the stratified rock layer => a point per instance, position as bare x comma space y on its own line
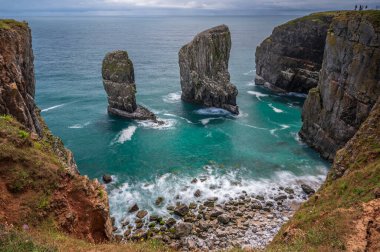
119, 83
349, 83
204, 72
290, 59
17, 84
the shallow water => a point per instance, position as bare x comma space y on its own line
253, 151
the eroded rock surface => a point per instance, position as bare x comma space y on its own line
119, 83
203, 63
17, 84
349, 83
290, 59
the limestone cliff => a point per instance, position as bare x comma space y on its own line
39, 180
204, 72
290, 59
17, 84
119, 83
349, 83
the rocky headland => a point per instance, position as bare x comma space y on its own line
289, 60
119, 84
203, 63
349, 83
39, 180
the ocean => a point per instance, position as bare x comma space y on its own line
251, 152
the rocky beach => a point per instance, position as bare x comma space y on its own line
243, 219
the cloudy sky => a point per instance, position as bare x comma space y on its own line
139, 7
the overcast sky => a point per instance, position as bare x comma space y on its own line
138, 7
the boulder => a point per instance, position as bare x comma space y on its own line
119, 84
141, 214
203, 63
224, 219
307, 189
133, 208
181, 210
183, 229
107, 178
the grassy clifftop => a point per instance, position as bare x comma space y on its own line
9, 23
345, 213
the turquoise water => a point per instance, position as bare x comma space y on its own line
253, 151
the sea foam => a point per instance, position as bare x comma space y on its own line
257, 94
161, 124
178, 188
53, 107
126, 134
172, 97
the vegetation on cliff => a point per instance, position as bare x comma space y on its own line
344, 213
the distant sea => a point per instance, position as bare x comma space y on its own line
254, 151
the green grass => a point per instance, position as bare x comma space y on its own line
19, 241
319, 17
9, 23
23, 134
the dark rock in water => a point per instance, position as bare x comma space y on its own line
181, 210
197, 193
307, 189
280, 197
224, 219
290, 59
159, 200
193, 205
133, 208
194, 181
141, 214
170, 208
260, 197
204, 72
170, 222
139, 225
209, 203
289, 190
119, 83
153, 218
183, 229
107, 178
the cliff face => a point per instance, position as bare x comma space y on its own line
344, 215
119, 83
349, 83
344, 110
290, 59
204, 72
39, 179
17, 85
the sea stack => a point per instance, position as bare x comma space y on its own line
119, 83
203, 63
